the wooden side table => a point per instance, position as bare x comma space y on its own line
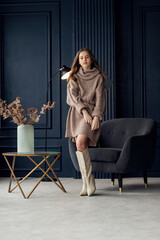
45, 156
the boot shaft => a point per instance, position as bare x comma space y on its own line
86, 171
84, 161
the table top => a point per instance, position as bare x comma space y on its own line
31, 154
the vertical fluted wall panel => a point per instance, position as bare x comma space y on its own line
94, 29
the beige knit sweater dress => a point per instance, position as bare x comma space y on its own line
87, 92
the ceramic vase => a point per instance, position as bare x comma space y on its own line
25, 139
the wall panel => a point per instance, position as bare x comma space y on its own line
94, 29
137, 63
27, 58
30, 55
146, 15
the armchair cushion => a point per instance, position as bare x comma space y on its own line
109, 155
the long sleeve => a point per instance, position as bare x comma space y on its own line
73, 98
100, 100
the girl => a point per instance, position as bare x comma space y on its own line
86, 97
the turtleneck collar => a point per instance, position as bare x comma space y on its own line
88, 74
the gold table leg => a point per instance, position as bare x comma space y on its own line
45, 173
10, 182
12, 174
37, 165
61, 186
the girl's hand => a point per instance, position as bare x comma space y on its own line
87, 117
95, 123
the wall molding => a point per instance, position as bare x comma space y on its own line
144, 12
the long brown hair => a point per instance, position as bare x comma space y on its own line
75, 65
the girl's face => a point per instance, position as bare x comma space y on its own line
85, 60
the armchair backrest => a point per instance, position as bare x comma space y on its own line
115, 132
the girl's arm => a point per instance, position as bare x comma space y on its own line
100, 100
87, 117
73, 98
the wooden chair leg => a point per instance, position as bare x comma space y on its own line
112, 178
120, 178
145, 178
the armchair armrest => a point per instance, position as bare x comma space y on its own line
137, 153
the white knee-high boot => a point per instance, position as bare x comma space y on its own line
84, 187
86, 171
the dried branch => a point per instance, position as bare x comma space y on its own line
45, 107
15, 110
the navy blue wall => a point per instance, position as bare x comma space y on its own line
38, 37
